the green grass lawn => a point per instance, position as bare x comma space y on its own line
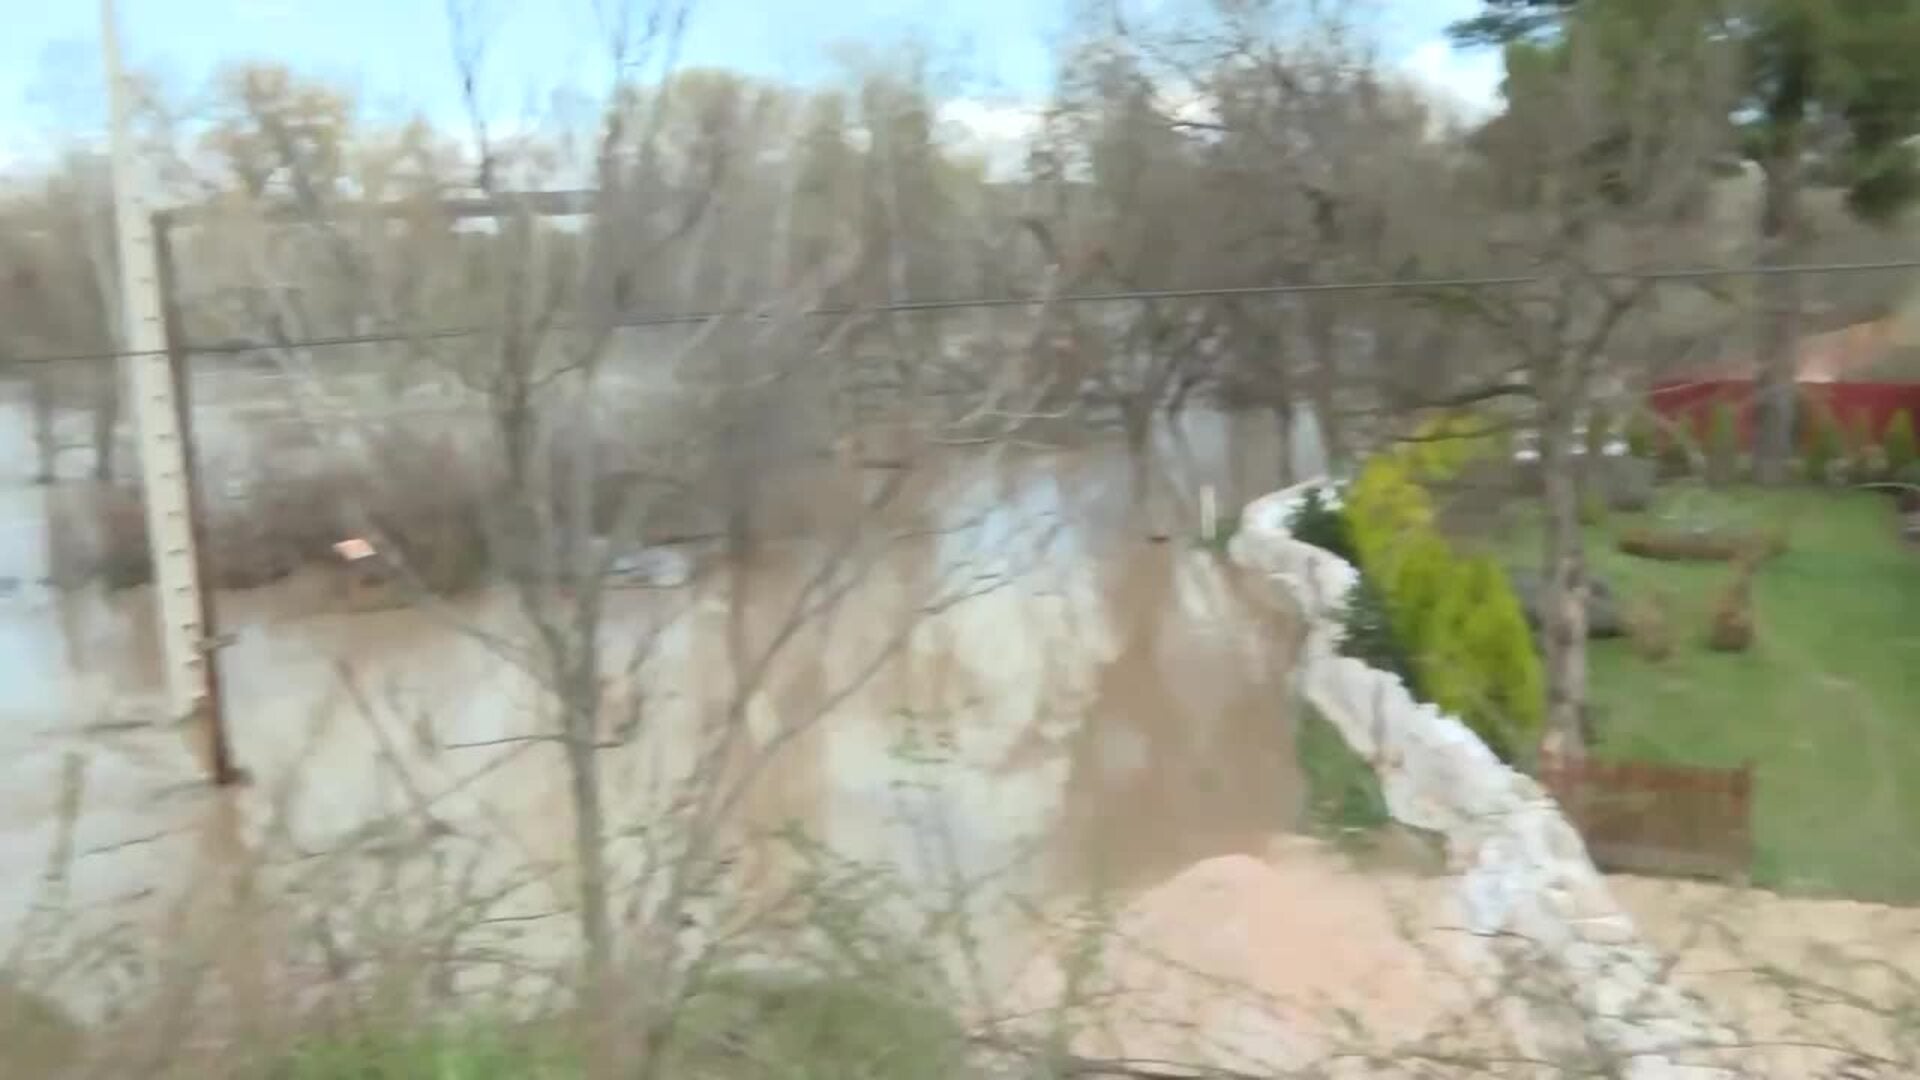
1826, 704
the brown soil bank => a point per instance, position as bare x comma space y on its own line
1293, 961
1301, 960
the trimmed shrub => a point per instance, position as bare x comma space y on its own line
1643, 437
1384, 506
1477, 659
1866, 459
1648, 630
1318, 522
1823, 445
1731, 629
1367, 633
1441, 448
1593, 508
1898, 442
1454, 617
1696, 545
1723, 443
1419, 579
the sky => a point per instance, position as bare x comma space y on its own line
989, 56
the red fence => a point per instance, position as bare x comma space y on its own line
1847, 402
1673, 820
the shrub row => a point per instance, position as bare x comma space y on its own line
1829, 448
1447, 621
1854, 451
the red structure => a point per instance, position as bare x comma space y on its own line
1828, 369
1845, 402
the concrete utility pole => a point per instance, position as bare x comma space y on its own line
164, 458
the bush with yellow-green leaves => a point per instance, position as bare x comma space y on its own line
1454, 614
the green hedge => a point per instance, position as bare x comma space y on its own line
1823, 442
1723, 442
1367, 631
1318, 521
1899, 443
1453, 614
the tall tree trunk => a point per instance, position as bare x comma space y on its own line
589, 827
906, 361
580, 703
1283, 432
46, 435
1563, 604
106, 421
1138, 423
106, 295
1779, 315
1323, 340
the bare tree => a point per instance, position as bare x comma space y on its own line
1590, 178
593, 433
1333, 173
62, 292
1115, 213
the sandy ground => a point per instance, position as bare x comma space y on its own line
1809, 984
1300, 958
1283, 960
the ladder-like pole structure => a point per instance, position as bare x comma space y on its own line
165, 459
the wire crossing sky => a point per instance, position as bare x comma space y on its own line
1677, 273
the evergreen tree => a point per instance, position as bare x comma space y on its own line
1827, 92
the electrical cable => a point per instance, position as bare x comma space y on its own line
992, 302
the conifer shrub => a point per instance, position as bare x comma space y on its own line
1823, 446
1643, 437
1454, 617
1318, 521
1898, 442
1723, 443
1866, 459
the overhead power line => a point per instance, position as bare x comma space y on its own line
1699, 273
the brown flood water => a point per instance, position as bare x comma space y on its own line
1112, 716
1113, 711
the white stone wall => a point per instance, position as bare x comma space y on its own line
1543, 931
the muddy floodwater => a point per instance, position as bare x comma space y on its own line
1101, 709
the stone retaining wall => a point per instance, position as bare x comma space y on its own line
1545, 935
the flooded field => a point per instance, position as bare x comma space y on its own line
1102, 720
1100, 711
